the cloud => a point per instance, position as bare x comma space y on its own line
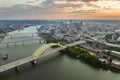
30, 1
62, 9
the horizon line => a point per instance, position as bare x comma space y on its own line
60, 19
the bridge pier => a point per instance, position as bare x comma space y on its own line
23, 44
39, 41
33, 62
7, 45
32, 35
17, 68
15, 45
11, 36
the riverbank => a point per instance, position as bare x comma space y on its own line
85, 56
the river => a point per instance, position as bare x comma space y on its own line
53, 67
20, 49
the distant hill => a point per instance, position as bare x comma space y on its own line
34, 22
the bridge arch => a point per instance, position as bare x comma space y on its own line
40, 50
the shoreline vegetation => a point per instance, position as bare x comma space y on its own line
78, 52
85, 56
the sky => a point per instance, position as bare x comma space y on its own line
59, 9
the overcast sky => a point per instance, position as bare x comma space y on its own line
59, 9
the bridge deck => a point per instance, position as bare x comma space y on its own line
31, 58
22, 34
21, 41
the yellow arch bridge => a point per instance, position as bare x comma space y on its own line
36, 55
40, 50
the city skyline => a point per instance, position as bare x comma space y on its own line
59, 9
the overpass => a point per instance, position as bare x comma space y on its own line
92, 39
37, 54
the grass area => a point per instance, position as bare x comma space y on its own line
108, 37
99, 36
50, 39
113, 48
115, 57
90, 52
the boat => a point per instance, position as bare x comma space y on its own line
4, 56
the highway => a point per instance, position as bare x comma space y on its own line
103, 42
